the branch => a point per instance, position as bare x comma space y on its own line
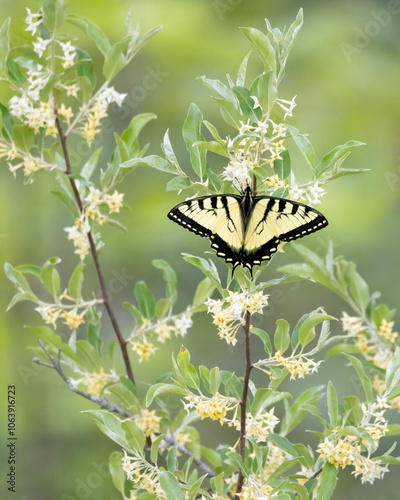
171, 441
312, 477
112, 407
243, 403
107, 305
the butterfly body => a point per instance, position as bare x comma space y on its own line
246, 229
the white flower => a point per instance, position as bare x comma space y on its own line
40, 46
111, 95
237, 173
183, 323
72, 89
296, 193
287, 106
316, 192
32, 25
256, 103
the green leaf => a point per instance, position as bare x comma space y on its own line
204, 290
161, 388
91, 164
281, 335
191, 132
76, 281
291, 34
170, 486
178, 183
53, 14
247, 104
114, 60
206, 266
118, 475
49, 337
266, 91
155, 447
172, 462
303, 144
23, 137
145, 299
263, 46
215, 380
282, 168
352, 405
333, 407
50, 277
170, 278
393, 372
130, 134
264, 337
169, 151
14, 72
95, 33
365, 381
327, 482
151, 161
241, 78
128, 384
16, 277
189, 373
4, 46
307, 329
296, 413
137, 315
330, 159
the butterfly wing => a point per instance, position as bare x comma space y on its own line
273, 220
218, 217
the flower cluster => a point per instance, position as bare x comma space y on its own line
96, 381
143, 475
254, 489
228, 315
215, 407
297, 366
177, 325
343, 451
148, 422
73, 314
346, 451
95, 112
375, 344
261, 425
380, 387
144, 350
78, 233
29, 163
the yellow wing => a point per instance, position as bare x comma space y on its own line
217, 217
273, 220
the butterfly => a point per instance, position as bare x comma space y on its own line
246, 229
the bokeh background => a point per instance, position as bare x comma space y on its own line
345, 69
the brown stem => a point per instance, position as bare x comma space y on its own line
106, 300
243, 403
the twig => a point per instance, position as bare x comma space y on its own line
68, 171
171, 440
243, 403
112, 407
312, 477
103, 402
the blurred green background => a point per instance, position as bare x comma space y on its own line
345, 69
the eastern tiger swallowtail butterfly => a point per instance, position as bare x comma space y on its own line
246, 229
